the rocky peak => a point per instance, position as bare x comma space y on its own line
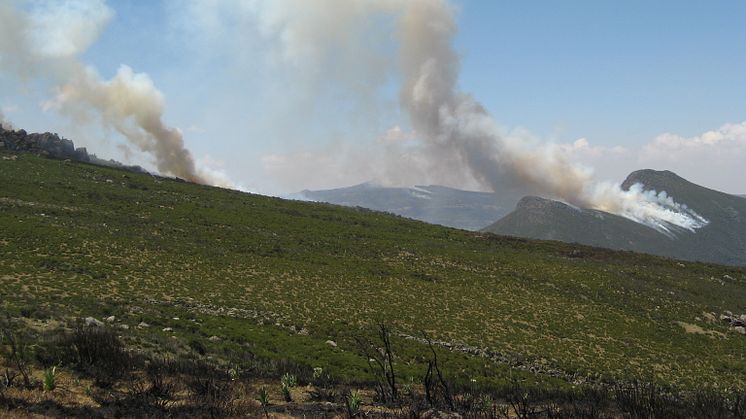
46, 144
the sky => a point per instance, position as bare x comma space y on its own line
613, 86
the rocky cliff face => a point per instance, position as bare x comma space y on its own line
46, 144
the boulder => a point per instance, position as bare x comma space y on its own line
143, 325
92, 322
110, 319
740, 329
331, 343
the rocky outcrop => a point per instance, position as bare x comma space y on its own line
52, 145
47, 144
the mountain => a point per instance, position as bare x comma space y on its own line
432, 204
722, 240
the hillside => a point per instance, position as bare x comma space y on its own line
433, 204
723, 240
259, 282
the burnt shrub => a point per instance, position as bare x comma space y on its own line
94, 351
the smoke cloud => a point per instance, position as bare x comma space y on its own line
5, 123
454, 131
452, 122
45, 41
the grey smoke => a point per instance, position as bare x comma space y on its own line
45, 41
455, 132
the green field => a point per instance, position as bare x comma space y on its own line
279, 278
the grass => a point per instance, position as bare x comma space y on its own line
276, 279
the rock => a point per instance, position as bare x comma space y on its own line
303, 332
143, 325
709, 317
742, 317
168, 329
110, 319
740, 329
90, 321
124, 327
736, 322
331, 343
728, 313
725, 318
214, 339
176, 318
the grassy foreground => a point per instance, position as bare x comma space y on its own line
234, 273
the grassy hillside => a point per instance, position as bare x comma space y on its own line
278, 278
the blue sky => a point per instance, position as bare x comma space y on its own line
616, 74
612, 71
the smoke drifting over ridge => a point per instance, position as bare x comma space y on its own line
454, 131
45, 42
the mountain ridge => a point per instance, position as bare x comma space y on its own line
434, 204
722, 240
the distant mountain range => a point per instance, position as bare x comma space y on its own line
433, 204
723, 240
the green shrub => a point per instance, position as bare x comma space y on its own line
50, 379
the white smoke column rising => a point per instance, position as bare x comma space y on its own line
46, 42
132, 105
455, 131
454, 123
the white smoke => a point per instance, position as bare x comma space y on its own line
455, 132
45, 40
5, 123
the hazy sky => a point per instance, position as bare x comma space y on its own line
615, 85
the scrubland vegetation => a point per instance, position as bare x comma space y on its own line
128, 294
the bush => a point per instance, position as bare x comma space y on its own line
95, 351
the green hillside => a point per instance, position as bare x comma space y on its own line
280, 278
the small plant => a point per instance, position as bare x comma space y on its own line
317, 373
50, 379
353, 402
288, 381
263, 399
286, 394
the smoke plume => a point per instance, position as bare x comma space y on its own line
454, 131
45, 40
5, 123
454, 123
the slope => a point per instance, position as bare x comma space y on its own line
275, 278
